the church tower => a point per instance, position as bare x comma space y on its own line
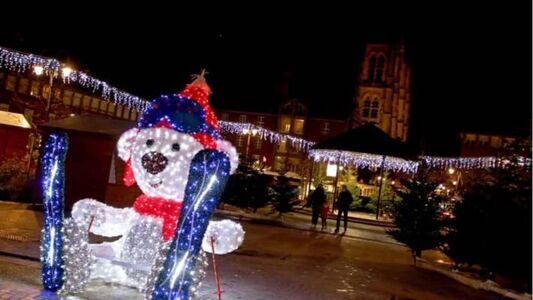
384, 91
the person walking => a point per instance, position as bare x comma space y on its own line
316, 199
343, 204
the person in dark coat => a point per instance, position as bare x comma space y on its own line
343, 203
316, 199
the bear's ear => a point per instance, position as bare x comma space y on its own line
126, 142
228, 148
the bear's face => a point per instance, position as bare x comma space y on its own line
160, 159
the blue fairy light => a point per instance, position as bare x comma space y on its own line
53, 184
208, 175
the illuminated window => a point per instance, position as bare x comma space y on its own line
282, 146
279, 163
371, 68
299, 126
258, 142
11, 83
46, 91
126, 114
260, 121
67, 97
376, 68
119, 111
225, 116
95, 104
240, 140
86, 102
380, 69
4, 106
242, 118
35, 87
111, 109
133, 115
103, 106
23, 86
76, 100
285, 124
375, 108
366, 108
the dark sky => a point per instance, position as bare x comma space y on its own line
471, 61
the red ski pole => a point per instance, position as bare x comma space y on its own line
217, 278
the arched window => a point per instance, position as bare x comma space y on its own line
380, 66
376, 68
366, 108
375, 108
371, 68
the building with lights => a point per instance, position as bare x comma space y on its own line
383, 93
29, 95
292, 118
479, 143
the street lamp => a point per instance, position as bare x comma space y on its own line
249, 132
39, 70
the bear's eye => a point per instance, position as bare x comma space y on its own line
149, 142
175, 147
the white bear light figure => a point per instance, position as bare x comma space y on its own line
181, 164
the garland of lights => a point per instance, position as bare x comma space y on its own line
472, 162
363, 160
21, 62
265, 134
53, 165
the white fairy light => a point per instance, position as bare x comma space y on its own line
363, 160
264, 134
21, 62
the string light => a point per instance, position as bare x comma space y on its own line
21, 62
363, 160
265, 134
53, 165
207, 177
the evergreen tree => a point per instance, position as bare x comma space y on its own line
492, 224
285, 195
417, 215
247, 188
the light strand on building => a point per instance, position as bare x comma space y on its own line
21, 62
264, 134
363, 160
472, 162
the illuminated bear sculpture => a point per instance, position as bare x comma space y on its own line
181, 164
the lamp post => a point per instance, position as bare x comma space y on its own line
250, 133
39, 70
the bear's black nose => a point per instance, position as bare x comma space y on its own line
154, 162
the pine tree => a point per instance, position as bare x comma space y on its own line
247, 188
492, 224
285, 195
417, 215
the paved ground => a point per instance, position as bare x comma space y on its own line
283, 263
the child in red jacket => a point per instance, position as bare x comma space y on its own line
324, 212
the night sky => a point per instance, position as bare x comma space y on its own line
471, 62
